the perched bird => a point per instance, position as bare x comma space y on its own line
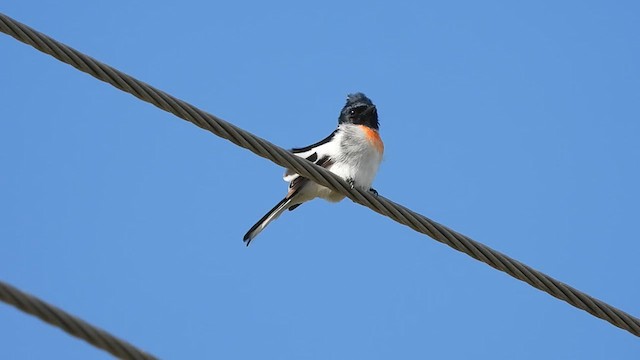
353, 151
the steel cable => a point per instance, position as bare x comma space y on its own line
283, 158
71, 324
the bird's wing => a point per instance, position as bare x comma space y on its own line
306, 149
297, 181
318, 153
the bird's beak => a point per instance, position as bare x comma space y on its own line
370, 109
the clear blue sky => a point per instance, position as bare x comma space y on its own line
515, 124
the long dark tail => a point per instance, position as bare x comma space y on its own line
273, 214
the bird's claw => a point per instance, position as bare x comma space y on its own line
351, 183
373, 191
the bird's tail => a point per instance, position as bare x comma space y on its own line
273, 214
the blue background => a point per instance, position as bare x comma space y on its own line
515, 124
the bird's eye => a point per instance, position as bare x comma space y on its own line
357, 110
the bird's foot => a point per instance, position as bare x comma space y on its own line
373, 191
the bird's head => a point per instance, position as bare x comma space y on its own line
359, 110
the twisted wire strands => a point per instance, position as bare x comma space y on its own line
71, 324
283, 158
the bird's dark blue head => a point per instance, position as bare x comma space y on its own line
359, 110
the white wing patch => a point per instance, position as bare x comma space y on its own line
311, 155
315, 155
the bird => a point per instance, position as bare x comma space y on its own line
353, 151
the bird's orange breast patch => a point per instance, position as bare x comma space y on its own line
374, 138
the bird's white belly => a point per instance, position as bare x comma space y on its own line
354, 158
